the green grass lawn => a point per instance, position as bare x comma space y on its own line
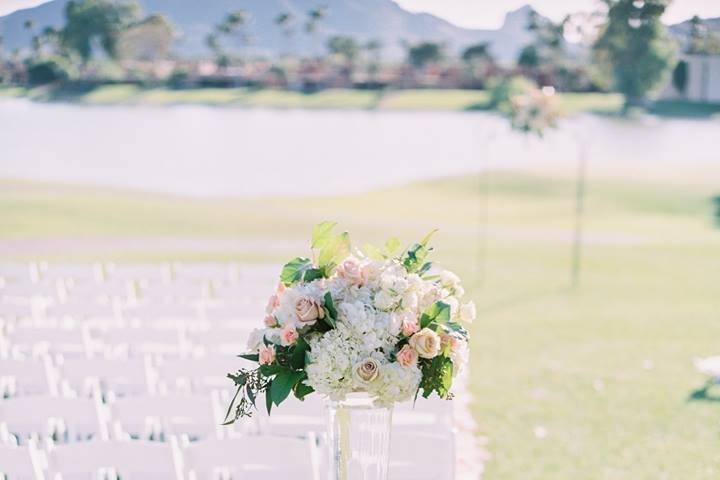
603, 372
425, 99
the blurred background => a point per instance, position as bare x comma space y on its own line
159, 159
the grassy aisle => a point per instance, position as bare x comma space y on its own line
586, 384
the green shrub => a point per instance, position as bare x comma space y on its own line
49, 70
504, 89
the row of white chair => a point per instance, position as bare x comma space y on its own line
257, 458
162, 272
124, 341
146, 374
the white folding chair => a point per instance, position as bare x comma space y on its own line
27, 290
61, 419
147, 417
407, 464
32, 376
139, 340
222, 340
139, 271
136, 460
121, 377
81, 310
205, 272
20, 462
198, 374
257, 458
77, 273
173, 292
292, 418
15, 311
70, 341
17, 271
159, 314
234, 314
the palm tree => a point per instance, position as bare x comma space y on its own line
314, 17
233, 25
284, 21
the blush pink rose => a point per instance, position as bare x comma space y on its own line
409, 326
288, 335
270, 321
272, 304
351, 271
266, 354
407, 356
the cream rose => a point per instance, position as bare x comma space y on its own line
266, 354
407, 356
410, 325
351, 271
308, 310
367, 370
426, 343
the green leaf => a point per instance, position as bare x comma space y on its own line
373, 252
253, 357
335, 250
232, 402
321, 234
302, 390
424, 269
283, 384
437, 376
297, 360
313, 274
437, 313
268, 398
293, 270
330, 307
392, 245
424, 242
270, 370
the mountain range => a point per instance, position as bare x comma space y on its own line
365, 20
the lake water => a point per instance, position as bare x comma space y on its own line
197, 150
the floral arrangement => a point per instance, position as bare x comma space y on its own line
381, 321
534, 111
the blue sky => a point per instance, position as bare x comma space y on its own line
490, 13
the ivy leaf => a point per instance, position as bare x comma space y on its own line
392, 245
373, 252
293, 270
283, 384
437, 313
321, 234
336, 249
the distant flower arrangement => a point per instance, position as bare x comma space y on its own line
383, 322
534, 111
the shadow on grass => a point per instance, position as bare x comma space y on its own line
703, 393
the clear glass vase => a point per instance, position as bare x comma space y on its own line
358, 440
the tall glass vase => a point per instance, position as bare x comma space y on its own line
358, 440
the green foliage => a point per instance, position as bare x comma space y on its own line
414, 258
49, 70
502, 91
425, 53
331, 311
294, 270
680, 76
102, 21
436, 314
635, 45
149, 39
283, 384
529, 57
437, 376
336, 248
321, 234
344, 46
